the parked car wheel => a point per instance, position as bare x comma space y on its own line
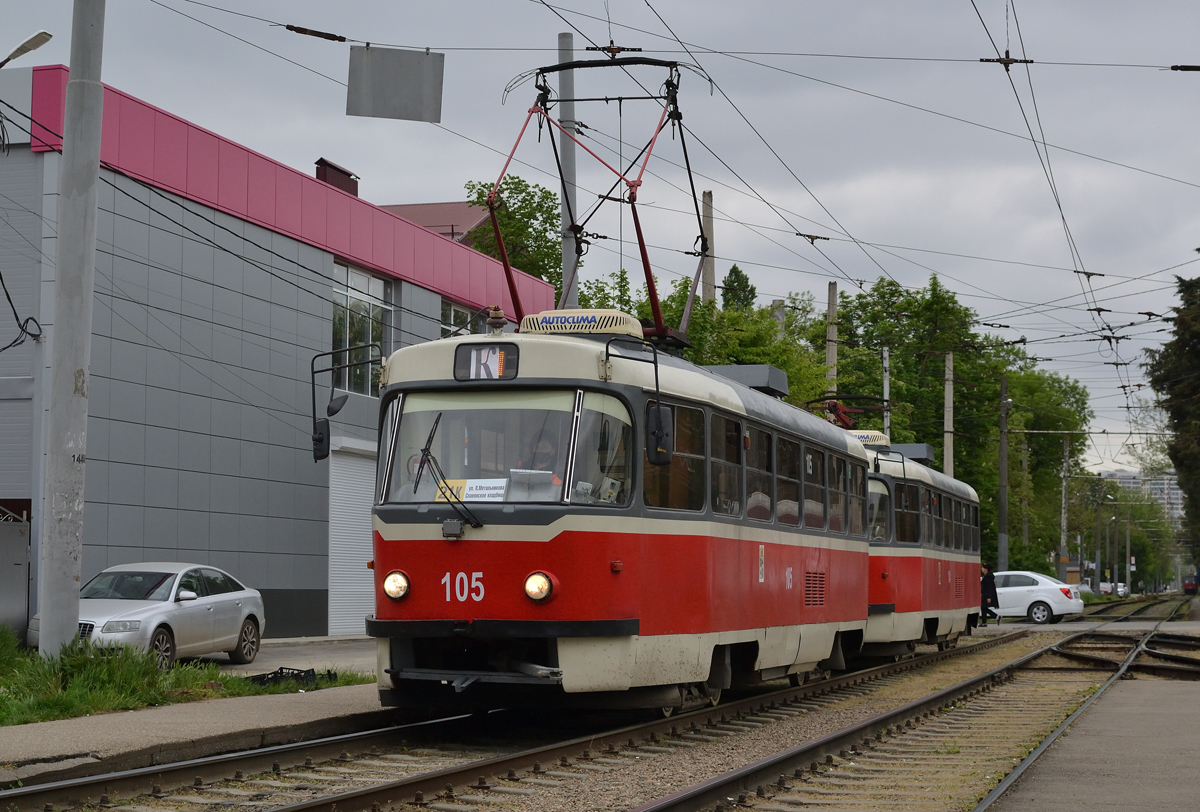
247, 643
162, 646
1040, 613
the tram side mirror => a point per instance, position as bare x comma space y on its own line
320, 439
660, 440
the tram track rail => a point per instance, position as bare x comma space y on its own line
269, 775
924, 754
1137, 610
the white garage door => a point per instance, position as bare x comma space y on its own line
351, 596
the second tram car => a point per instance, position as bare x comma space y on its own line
568, 516
924, 535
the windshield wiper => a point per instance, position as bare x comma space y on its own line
425, 452
428, 460
452, 499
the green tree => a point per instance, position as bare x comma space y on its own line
613, 294
919, 327
736, 291
530, 222
1174, 373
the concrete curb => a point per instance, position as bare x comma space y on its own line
77, 765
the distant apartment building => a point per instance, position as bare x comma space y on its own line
220, 273
1163, 489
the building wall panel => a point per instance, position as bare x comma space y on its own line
329, 218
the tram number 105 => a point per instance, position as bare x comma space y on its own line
463, 588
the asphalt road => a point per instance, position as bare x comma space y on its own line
322, 653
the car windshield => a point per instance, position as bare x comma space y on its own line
505, 447
129, 586
1052, 579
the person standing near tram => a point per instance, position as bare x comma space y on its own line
989, 600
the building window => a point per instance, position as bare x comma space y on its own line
362, 314
459, 319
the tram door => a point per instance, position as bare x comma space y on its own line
351, 590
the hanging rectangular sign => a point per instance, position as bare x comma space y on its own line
395, 83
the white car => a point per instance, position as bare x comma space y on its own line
1038, 597
171, 609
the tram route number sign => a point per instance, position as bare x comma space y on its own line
486, 362
473, 490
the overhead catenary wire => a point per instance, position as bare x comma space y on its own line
542, 2
339, 83
878, 97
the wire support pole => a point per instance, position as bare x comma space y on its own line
1061, 569
567, 174
948, 419
1002, 500
61, 538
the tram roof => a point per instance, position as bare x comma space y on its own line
899, 467
579, 358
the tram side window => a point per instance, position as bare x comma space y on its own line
787, 483
680, 485
603, 452
975, 528
935, 509
759, 501
814, 487
878, 507
926, 515
958, 524
726, 466
837, 494
857, 503
908, 527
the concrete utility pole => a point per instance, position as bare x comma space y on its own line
1062, 541
1025, 491
61, 543
779, 311
566, 149
708, 290
1128, 519
887, 393
1099, 507
831, 349
1002, 501
948, 419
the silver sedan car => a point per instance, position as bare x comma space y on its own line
171, 609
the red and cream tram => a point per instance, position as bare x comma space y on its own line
566, 515
924, 573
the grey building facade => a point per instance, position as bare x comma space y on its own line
219, 275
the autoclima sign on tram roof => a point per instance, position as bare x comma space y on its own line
582, 321
486, 362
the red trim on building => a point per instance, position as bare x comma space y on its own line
187, 160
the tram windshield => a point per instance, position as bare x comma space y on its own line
505, 447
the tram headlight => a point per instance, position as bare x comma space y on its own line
538, 586
395, 584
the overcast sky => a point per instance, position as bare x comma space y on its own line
881, 109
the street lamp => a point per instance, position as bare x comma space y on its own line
32, 44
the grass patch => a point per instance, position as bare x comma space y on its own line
85, 680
